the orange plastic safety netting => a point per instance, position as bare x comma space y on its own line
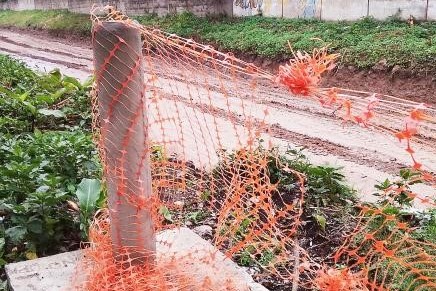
187, 133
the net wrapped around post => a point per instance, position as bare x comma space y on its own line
215, 150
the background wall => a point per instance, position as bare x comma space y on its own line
339, 9
132, 7
320, 9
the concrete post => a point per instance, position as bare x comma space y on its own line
119, 76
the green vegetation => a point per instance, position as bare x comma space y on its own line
51, 20
328, 201
362, 44
48, 158
420, 226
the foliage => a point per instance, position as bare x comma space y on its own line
325, 185
362, 44
39, 175
426, 229
49, 101
325, 190
396, 205
51, 20
46, 150
402, 199
89, 194
166, 213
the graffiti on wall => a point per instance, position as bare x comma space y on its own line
309, 8
279, 8
248, 4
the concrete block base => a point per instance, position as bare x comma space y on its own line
55, 273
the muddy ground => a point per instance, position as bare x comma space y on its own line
367, 155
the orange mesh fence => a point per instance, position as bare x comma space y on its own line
188, 133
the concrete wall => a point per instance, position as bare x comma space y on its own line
319, 9
131, 7
380, 9
50, 4
431, 13
342, 9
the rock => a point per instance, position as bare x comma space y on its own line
203, 230
351, 68
179, 204
396, 70
266, 63
382, 65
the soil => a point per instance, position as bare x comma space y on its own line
419, 86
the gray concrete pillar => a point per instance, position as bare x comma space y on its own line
119, 76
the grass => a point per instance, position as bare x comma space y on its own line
362, 44
51, 20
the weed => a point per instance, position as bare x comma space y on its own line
52, 20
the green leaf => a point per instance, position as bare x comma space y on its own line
164, 211
88, 82
24, 96
30, 106
35, 225
60, 92
56, 73
72, 81
51, 112
321, 221
31, 255
88, 192
2, 244
16, 234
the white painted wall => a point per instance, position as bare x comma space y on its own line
272, 8
431, 13
381, 9
344, 9
25, 4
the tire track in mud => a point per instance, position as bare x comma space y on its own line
58, 62
8, 40
315, 145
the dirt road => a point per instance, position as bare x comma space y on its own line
366, 155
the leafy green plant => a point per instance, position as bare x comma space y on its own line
166, 213
39, 174
46, 150
362, 43
426, 230
387, 189
47, 101
195, 216
327, 197
55, 21
89, 195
